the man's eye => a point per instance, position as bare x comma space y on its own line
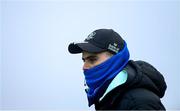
93, 60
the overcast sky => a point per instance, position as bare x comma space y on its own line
36, 70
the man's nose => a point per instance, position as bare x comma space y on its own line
86, 66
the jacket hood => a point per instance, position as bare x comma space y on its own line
143, 75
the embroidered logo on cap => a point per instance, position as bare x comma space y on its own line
113, 47
91, 36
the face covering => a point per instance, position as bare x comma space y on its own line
99, 77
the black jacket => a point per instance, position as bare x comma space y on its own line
142, 90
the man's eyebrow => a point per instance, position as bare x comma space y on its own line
91, 56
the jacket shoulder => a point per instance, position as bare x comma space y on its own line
140, 99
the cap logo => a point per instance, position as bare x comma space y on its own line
91, 36
113, 47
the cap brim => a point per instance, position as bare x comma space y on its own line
79, 47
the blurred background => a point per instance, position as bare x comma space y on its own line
36, 70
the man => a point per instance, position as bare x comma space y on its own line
113, 82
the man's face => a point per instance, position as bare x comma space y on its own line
94, 59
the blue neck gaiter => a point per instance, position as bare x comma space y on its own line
99, 77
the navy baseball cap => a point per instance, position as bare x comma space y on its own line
98, 41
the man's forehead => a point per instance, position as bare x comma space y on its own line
87, 54
99, 54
